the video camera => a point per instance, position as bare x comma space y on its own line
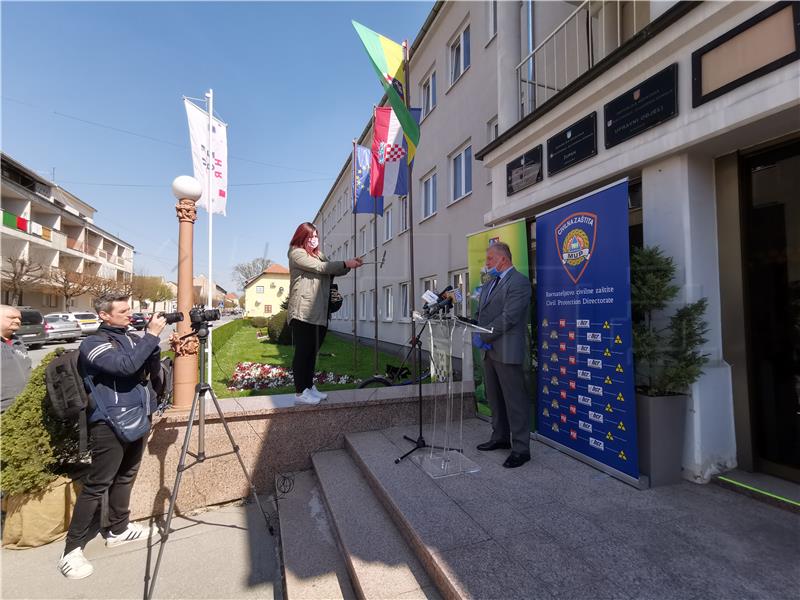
197, 316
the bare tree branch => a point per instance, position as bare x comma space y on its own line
19, 274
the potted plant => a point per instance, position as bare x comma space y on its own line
667, 360
37, 453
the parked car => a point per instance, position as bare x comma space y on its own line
89, 322
57, 328
138, 321
31, 330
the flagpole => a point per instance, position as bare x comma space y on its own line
355, 253
410, 207
375, 245
210, 200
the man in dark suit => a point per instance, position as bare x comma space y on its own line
504, 306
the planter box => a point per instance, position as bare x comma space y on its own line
34, 520
662, 426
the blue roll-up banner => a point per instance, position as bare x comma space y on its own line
586, 398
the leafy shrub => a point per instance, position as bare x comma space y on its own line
259, 322
36, 447
278, 329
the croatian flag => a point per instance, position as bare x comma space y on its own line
389, 171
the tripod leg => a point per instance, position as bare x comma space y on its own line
241, 462
174, 496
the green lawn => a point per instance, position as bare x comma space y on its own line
335, 355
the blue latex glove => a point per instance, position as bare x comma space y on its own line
479, 343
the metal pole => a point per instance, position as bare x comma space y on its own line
355, 253
375, 299
210, 203
410, 203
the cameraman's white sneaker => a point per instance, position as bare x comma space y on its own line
134, 533
318, 394
74, 565
307, 397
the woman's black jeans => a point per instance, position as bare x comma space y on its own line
307, 340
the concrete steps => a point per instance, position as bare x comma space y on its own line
399, 534
380, 563
313, 567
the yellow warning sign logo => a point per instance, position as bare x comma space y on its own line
620, 397
607, 352
606, 325
609, 437
621, 455
608, 408
619, 368
618, 340
621, 426
607, 380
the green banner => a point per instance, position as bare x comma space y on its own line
514, 234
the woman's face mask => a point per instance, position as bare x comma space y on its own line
313, 242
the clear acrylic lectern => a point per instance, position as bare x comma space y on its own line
445, 457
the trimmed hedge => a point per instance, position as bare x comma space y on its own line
278, 329
36, 448
224, 332
259, 322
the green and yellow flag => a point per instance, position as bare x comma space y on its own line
387, 59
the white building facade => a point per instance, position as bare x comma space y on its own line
53, 229
713, 180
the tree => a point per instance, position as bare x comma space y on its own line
70, 284
100, 286
18, 275
242, 301
247, 270
145, 287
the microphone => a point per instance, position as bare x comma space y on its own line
444, 300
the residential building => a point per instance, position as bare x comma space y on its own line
54, 230
200, 284
265, 292
712, 170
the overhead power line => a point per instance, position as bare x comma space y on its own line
155, 139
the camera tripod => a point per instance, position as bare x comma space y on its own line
199, 407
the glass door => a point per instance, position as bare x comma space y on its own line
772, 270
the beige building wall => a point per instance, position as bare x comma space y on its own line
264, 295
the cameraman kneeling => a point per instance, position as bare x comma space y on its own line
115, 367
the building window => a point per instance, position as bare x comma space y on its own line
461, 170
259, 289
362, 306
268, 309
387, 224
492, 18
405, 311
280, 291
429, 284
403, 208
492, 130
362, 241
461, 283
429, 196
388, 304
429, 94
459, 55
371, 310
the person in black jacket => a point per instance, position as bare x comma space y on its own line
126, 373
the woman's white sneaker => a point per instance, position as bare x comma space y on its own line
134, 533
307, 397
74, 565
318, 394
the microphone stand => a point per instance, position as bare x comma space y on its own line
419, 443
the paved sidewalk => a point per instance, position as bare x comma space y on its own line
222, 553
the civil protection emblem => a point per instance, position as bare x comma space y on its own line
575, 239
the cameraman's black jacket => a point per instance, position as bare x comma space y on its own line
124, 369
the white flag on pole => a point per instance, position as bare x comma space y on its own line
202, 162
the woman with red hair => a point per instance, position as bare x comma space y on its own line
310, 276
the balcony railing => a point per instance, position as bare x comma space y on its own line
593, 31
76, 245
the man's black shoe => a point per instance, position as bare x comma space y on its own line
492, 445
515, 460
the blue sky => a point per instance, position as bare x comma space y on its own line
291, 79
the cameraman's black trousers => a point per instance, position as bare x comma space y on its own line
114, 468
307, 340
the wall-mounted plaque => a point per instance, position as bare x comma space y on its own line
760, 45
650, 103
524, 171
572, 145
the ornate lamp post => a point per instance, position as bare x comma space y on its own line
187, 190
